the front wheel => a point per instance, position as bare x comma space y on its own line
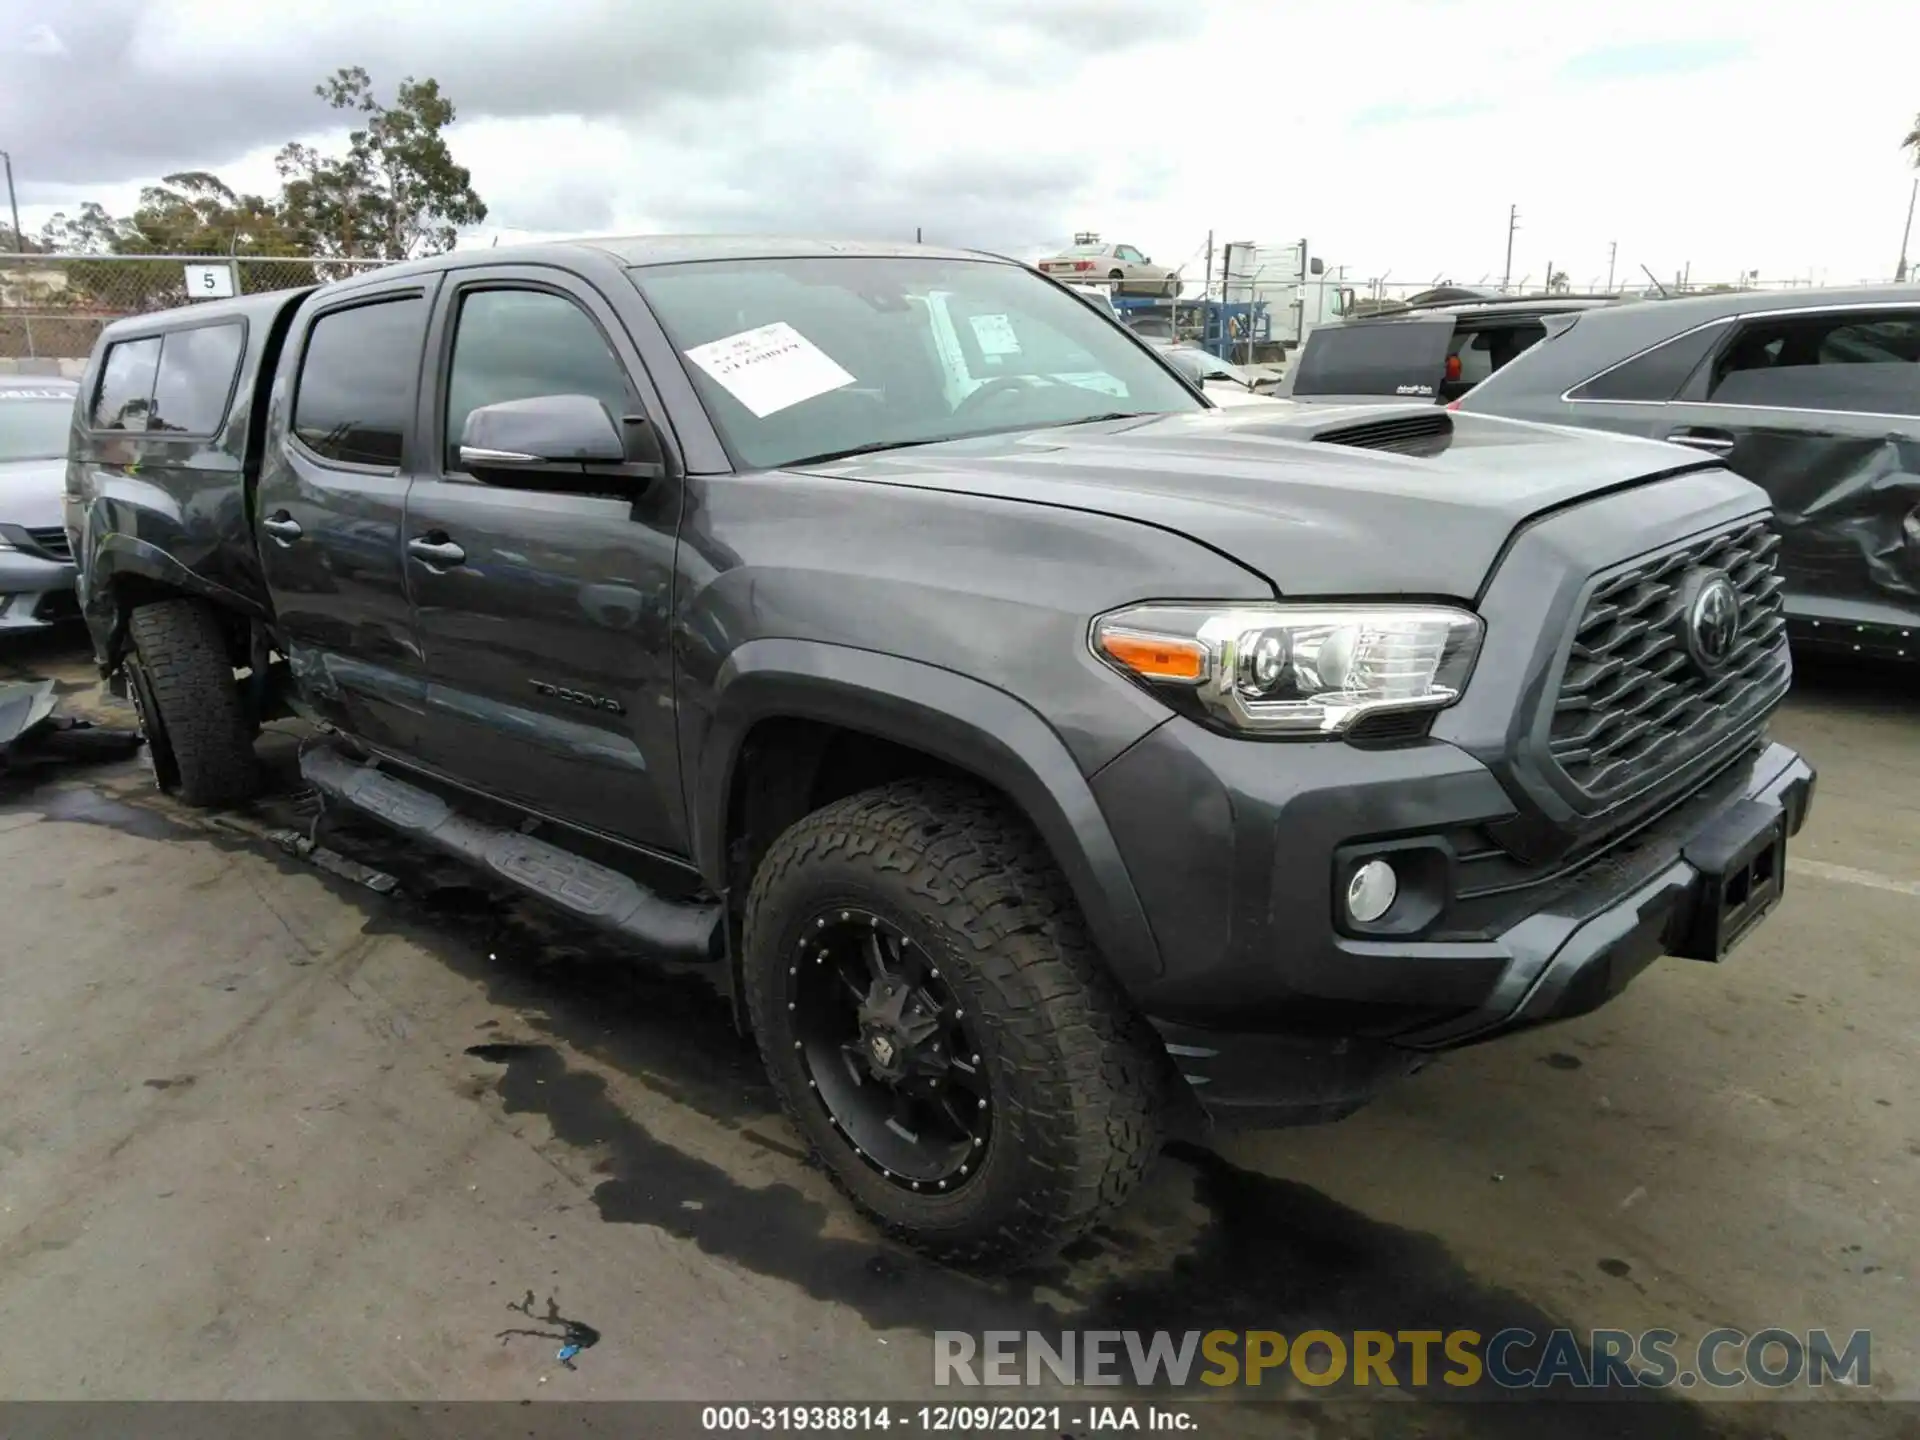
939, 1027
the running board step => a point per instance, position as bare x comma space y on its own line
606, 898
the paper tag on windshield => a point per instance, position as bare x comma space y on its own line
771, 368
995, 334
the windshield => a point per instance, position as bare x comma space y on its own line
33, 424
804, 359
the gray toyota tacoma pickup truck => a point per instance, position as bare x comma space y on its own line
1030, 747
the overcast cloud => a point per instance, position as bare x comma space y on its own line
1392, 133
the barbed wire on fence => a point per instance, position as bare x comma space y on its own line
1403, 289
54, 305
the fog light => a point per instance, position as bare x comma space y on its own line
1371, 890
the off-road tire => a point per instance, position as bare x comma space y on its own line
1078, 1080
183, 685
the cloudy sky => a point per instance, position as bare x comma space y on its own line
1724, 136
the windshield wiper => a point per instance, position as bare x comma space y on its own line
874, 446
1113, 415
871, 447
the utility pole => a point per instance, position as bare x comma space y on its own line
1207, 312
1613, 249
1513, 224
1905, 235
20, 241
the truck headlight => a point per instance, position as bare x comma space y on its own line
1310, 670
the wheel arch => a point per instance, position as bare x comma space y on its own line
124, 572
797, 724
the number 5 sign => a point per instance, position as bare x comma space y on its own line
209, 282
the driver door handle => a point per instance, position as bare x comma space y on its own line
281, 526
1714, 442
435, 549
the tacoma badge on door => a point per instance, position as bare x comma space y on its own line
578, 697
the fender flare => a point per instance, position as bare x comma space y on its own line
964, 722
117, 555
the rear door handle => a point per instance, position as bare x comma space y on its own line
436, 549
1714, 442
281, 526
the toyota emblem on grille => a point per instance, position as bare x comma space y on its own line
1710, 619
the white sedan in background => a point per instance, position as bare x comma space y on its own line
1123, 267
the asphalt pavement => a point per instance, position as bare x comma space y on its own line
270, 1133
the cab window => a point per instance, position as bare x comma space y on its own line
516, 344
194, 383
124, 395
353, 403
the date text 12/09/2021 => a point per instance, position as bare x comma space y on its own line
945, 1419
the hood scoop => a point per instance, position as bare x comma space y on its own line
1427, 433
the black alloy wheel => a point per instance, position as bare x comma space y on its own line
887, 1051
939, 1027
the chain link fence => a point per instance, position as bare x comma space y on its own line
52, 307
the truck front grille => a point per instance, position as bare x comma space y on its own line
1633, 706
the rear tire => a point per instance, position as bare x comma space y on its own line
1069, 1082
183, 687
1118, 279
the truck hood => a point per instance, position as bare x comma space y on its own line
31, 492
1264, 485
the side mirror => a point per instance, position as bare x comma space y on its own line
556, 435
1317, 266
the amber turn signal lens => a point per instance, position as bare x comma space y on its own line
1155, 657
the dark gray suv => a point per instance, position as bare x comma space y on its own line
1814, 395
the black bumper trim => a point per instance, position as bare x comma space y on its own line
1270, 1081
1565, 961
1592, 961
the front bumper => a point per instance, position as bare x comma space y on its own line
34, 592
1274, 1013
